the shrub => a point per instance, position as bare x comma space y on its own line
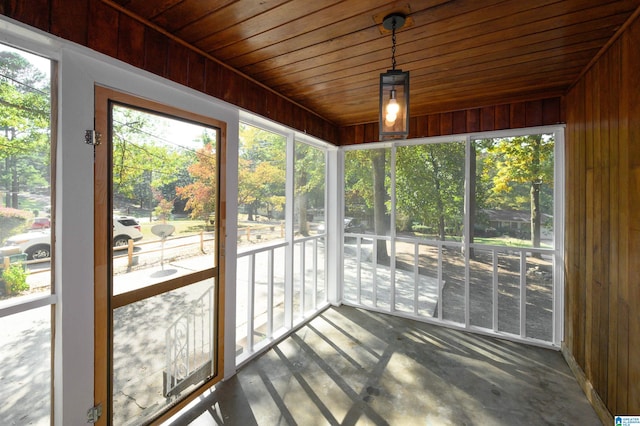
422, 229
15, 278
12, 221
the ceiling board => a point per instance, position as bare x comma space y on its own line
328, 54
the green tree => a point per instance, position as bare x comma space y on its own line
309, 182
144, 162
367, 191
24, 126
519, 163
430, 184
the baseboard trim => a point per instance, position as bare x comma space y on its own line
600, 408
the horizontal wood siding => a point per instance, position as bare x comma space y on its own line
105, 29
602, 240
506, 116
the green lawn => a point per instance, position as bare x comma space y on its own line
494, 241
507, 241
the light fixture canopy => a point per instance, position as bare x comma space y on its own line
394, 90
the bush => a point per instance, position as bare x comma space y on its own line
422, 229
15, 278
12, 221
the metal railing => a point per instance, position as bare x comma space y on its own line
190, 344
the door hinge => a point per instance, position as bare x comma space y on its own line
94, 413
91, 137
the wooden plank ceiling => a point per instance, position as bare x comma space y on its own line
327, 55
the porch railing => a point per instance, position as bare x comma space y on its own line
271, 300
504, 290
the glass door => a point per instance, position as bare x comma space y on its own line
158, 271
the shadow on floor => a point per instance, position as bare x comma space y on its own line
351, 367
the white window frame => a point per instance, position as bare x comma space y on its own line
558, 225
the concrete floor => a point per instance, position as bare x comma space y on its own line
353, 367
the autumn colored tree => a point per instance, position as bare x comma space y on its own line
261, 170
201, 194
163, 208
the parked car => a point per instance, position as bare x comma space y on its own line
41, 223
125, 228
36, 244
351, 225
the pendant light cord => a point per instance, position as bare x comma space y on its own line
393, 44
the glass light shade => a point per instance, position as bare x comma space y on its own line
394, 105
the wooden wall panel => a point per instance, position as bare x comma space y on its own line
602, 238
35, 12
101, 36
505, 116
69, 20
177, 63
156, 49
197, 64
633, 83
130, 41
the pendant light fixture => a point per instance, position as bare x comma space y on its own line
394, 90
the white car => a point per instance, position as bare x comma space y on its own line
125, 228
37, 244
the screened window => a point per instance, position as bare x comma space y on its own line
26, 223
457, 231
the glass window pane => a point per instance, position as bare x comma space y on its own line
430, 190
367, 211
25, 367
367, 193
308, 276
416, 278
262, 172
25, 172
407, 277
513, 191
509, 292
164, 197
266, 270
481, 288
163, 347
309, 190
352, 270
453, 299
25, 235
539, 298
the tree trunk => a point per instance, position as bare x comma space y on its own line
535, 197
302, 212
7, 182
439, 203
15, 183
536, 218
472, 200
379, 198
